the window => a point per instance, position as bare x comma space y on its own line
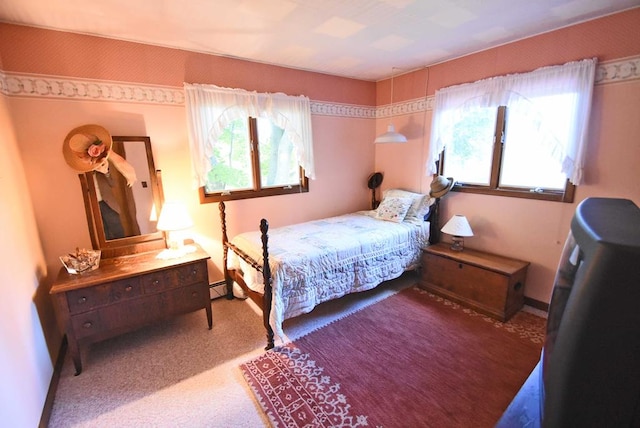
518, 135
498, 151
253, 158
246, 145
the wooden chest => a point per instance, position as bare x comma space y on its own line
490, 284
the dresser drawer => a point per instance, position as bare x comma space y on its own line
150, 308
156, 282
178, 277
86, 324
189, 298
190, 274
86, 299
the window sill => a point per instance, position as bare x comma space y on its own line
249, 194
555, 196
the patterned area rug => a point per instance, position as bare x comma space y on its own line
413, 359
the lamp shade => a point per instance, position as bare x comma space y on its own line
391, 136
174, 216
457, 226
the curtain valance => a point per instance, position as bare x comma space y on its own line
210, 109
517, 91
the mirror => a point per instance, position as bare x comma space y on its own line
122, 218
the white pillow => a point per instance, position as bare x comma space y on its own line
393, 209
420, 203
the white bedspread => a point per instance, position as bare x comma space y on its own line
320, 260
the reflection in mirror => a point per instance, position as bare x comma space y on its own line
122, 202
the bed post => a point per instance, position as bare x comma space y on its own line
227, 278
434, 223
266, 277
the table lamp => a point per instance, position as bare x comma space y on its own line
173, 219
458, 227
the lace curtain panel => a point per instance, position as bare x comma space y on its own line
522, 92
210, 109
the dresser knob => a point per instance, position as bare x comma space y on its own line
128, 288
88, 324
82, 300
156, 281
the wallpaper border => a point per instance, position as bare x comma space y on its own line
58, 87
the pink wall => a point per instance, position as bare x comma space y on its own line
612, 37
530, 230
25, 364
33, 50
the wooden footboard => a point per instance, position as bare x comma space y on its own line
232, 275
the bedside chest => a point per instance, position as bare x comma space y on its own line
488, 283
126, 293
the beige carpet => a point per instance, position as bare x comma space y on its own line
180, 374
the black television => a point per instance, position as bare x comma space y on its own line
589, 370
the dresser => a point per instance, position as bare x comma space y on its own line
489, 283
126, 293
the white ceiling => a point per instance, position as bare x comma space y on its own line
364, 39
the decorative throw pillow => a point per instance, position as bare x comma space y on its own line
393, 209
420, 203
422, 207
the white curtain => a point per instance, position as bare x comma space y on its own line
516, 92
210, 109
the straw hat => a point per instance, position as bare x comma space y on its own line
86, 147
440, 186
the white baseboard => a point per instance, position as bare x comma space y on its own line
218, 289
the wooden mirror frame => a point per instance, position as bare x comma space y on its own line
131, 244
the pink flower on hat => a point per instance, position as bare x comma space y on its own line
96, 149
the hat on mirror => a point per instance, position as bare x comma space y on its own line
440, 186
86, 147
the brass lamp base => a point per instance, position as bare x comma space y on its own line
458, 243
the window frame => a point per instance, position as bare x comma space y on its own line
258, 191
494, 188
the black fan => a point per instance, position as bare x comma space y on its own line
375, 180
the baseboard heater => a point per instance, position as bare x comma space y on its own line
218, 289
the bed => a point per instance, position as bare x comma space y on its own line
287, 271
